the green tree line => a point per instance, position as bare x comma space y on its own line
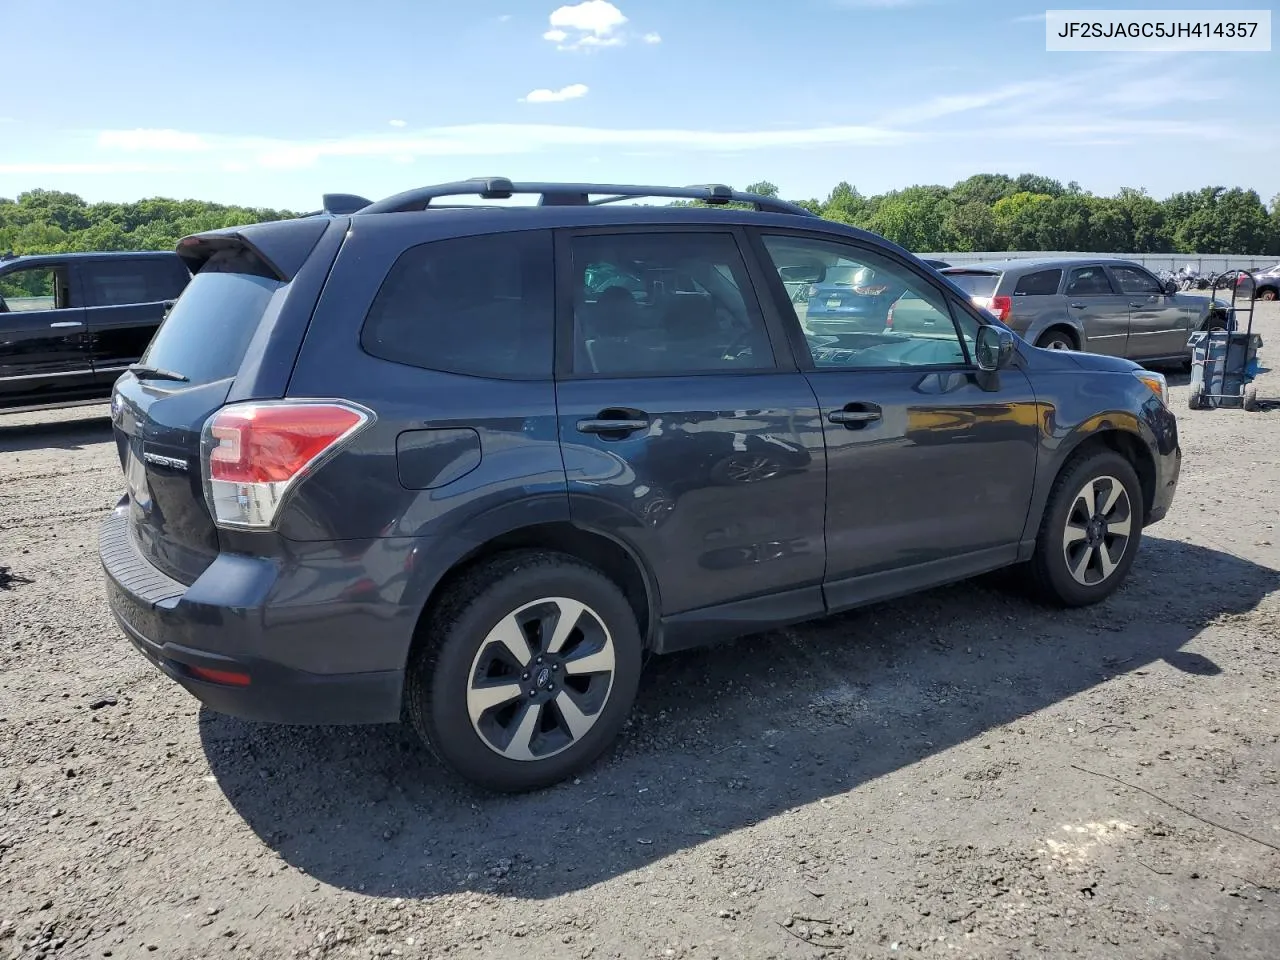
992, 211
987, 211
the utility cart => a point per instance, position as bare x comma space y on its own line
1224, 362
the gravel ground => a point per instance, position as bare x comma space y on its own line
960, 774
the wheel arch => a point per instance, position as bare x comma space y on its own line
610, 556
1115, 439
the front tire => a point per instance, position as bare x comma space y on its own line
1090, 531
527, 670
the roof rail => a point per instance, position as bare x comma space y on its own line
576, 195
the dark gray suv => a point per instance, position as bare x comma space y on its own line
469, 466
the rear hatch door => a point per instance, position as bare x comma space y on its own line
159, 409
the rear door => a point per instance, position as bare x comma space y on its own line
930, 464
44, 352
1157, 326
125, 301
684, 434
1101, 310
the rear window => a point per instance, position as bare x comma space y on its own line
975, 284
1042, 283
207, 332
481, 306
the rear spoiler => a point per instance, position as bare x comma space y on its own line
277, 249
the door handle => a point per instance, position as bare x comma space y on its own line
1077, 306
66, 323
855, 416
1137, 306
619, 421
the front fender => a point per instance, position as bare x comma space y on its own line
1080, 406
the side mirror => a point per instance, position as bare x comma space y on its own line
994, 349
1170, 287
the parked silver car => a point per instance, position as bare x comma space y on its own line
1108, 306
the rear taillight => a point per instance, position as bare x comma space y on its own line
253, 454
1001, 308
888, 317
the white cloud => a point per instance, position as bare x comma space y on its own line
477, 140
591, 16
168, 141
592, 23
573, 91
397, 123
504, 17
653, 38
1030, 18
79, 169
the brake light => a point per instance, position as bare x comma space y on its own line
255, 453
1001, 307
888, 317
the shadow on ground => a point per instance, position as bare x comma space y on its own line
723, 738
59, 435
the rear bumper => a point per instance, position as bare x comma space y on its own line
221, 626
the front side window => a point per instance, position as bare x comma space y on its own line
865, 311
1136, 281
35, 288
481, 306
664, 304
1089, 282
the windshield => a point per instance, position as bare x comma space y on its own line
976, 284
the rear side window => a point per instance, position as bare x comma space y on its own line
207, 332
114, 283
481, 306
1089, 282
1042, 283
974, 284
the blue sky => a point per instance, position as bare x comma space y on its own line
272, 103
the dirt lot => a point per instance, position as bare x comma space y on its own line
926, 777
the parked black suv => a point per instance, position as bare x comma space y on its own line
71, 322
471, 465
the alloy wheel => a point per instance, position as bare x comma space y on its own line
1099, 525
541, 679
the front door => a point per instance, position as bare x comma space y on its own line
1101, 310
930, 463
44, 353
1157, 327
684, 436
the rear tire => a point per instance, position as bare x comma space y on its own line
1269, 294
1057, 339
1090, 531
1250, 399
505, 694
1196, 399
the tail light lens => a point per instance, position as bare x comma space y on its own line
1000, 307
254, 454
888, 317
